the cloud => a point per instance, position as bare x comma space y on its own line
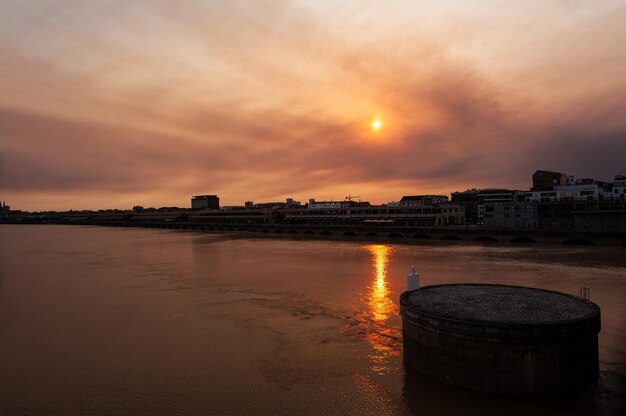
266, 101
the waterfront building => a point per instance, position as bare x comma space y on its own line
155, 216
568, 192
205, 202
618, 187
323, 205
4, 211
608, 215
585, 205
545, 180
340, 213
491, 196
416, 200
476, 201
511, 215
469, 201
580, 190
270, 205
497, 206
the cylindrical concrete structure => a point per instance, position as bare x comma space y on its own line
502, 339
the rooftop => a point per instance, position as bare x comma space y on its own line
500, 304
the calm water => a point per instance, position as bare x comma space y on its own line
101, 321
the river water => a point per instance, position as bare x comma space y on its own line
124, 321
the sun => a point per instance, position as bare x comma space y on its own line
376, 124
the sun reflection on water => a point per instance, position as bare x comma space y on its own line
380, 308
378, 300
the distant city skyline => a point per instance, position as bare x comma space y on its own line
586, 183
111, 104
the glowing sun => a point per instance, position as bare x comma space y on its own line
376, 124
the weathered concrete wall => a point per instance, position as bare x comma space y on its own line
500, 367
472, 336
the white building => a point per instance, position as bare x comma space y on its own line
619, 187
324, 205
566, 193
578, 192
582, 192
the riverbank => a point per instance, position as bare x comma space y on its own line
397, 233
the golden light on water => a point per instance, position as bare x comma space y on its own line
379, 302
377, 319
381, 334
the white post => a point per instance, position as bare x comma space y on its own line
413, 279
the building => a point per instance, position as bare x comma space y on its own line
618, 187
205, 202
340, 213
544, 180
469, 201
584, 204
4, 211
580, 190
567, 193
491, 198
511, 215
323, 204
418, 200
475, 201
273, 205
608, 215
495, 195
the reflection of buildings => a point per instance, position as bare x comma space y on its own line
383, 337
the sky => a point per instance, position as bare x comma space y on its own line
111, 104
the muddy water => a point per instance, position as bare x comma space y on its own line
103, 321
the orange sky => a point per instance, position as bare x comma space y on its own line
114, 104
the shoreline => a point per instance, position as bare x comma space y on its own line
395, 234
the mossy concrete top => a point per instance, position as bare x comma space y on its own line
500, 312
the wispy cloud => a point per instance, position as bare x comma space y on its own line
154, 101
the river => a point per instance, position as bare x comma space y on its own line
126, 321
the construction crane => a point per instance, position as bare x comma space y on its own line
350, 197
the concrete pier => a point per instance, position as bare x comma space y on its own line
502, 339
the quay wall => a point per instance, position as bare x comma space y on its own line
398, 233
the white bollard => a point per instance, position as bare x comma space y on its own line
413, 279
